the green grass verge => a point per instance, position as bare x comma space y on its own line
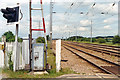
25, 74
0, 70
107, 43
52, 72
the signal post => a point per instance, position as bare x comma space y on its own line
12, 15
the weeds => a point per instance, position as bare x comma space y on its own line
10, 61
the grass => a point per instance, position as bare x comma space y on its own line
25, 74
51, 57
0, 70
52, 72
107, 43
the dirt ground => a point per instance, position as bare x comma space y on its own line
102, 55
69, 60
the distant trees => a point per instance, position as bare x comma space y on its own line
116, 39
20, 39
48, 37
98, 39
40, 40
74, 38
94, 39
0, 40
85, 39
80, 38
101, 40
10, 37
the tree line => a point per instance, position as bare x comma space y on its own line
10, 37
115, 39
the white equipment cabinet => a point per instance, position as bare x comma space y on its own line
38, 56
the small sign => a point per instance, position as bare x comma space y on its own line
1, 46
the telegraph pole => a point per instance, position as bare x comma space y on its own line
51, 10
76, 33
69, 35
30, 50
91, 32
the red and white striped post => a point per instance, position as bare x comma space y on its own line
44, 31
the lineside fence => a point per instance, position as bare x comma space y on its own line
22, 54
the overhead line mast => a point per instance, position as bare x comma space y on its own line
51, 8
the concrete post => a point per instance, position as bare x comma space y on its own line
58, 55
51, 5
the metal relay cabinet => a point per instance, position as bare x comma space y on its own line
38, 56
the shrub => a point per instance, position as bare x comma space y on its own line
10, 61
85, 39
116, 39
93, 39
40, 40
101, 40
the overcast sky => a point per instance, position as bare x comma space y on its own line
67, 21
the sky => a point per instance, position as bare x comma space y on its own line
72, 17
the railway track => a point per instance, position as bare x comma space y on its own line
101, 45
115, 48
97, 49
102, 64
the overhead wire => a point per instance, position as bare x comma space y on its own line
95, 4
69, 10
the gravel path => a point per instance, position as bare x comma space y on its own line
0, 76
